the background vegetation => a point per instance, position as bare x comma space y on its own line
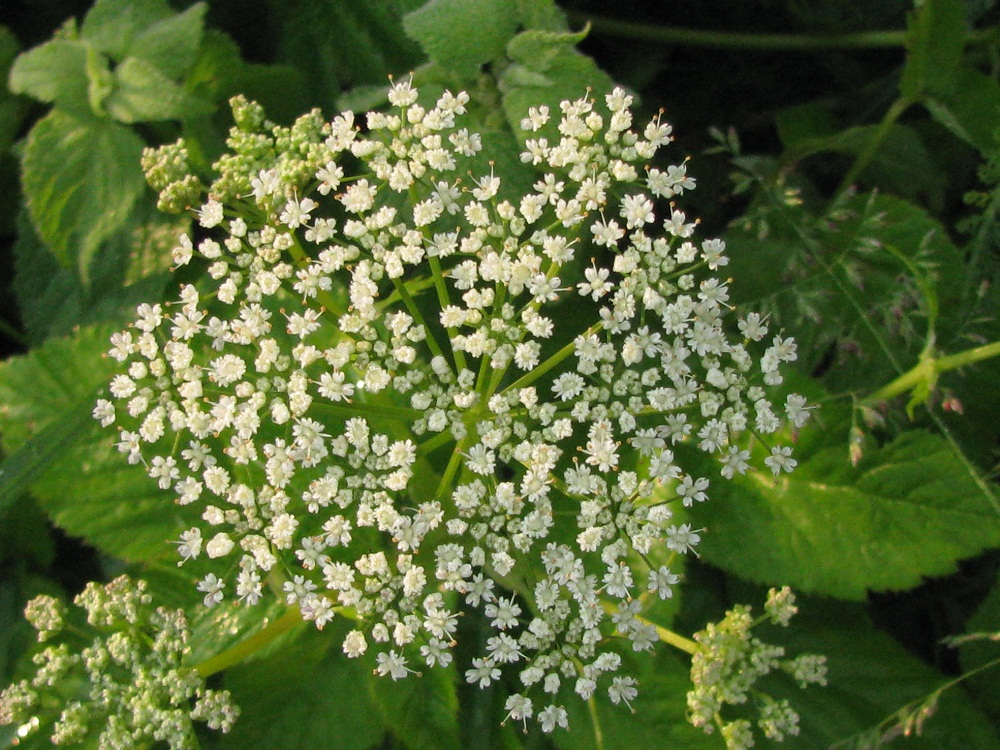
846, 151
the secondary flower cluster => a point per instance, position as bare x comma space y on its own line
405, 387
132, 686
728, 663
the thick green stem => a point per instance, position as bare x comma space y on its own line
929, 368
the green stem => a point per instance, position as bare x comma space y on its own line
764, 42
444, 301
233, 656
404, 294
530, 377
667, 636
928, 369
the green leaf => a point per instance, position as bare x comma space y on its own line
462, 35
142, 93
420, 710
35, 456
340, 46
547, 69
909, 509
541, 14
307, 695
80, 179
89, 490
934, 43
970, 109
113, 26
171, 44
55, 72
870, 677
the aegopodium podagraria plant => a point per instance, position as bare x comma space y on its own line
403, 392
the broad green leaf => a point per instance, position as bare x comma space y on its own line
909, 509
142, 93
462, 35
420, 710
171, 44
969, 109
307, 695
90, 490
113, 26
55, 72
128, 269
934, 44
81, 179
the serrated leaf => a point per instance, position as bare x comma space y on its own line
909, 509
112, 26
89, 490
934, 43
80, 179
54, 72
420, 710
308, 695
171, 44
142, 93
462, 35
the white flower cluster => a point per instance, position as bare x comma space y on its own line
127, 687
728, 663
402, 391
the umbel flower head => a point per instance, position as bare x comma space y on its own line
126, 686
404, 388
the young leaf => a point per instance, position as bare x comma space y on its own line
112, 26
908, 510
143, 93
55, 72
171, 44
81, 179
462, 35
